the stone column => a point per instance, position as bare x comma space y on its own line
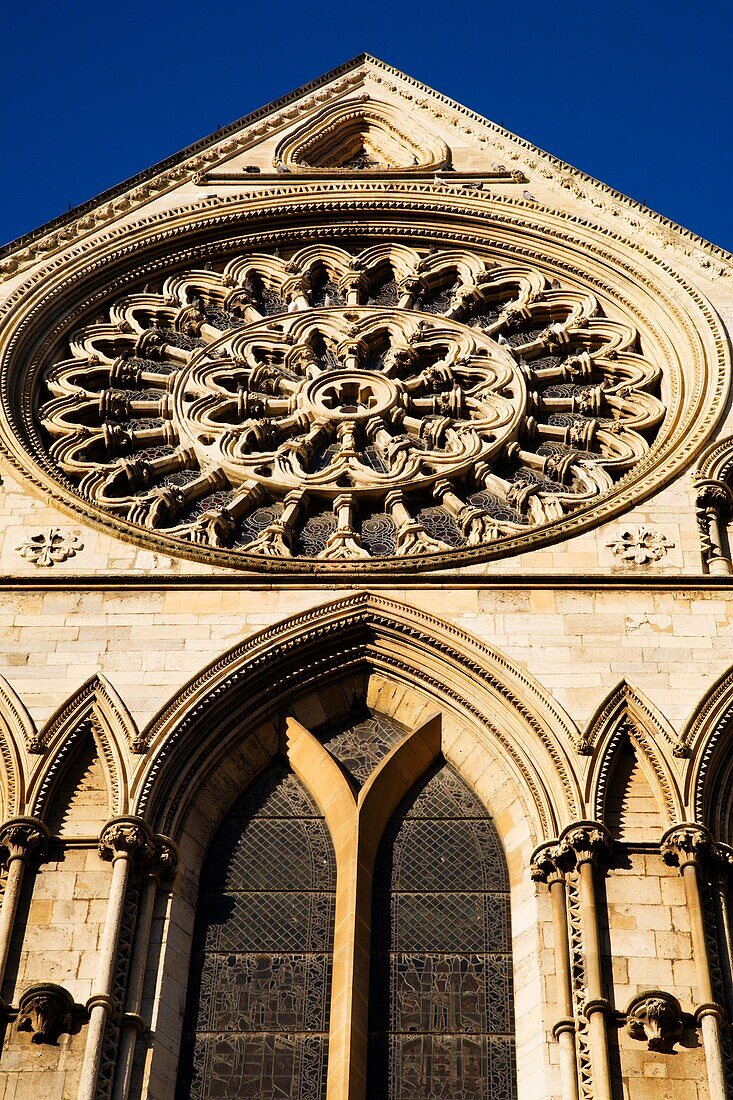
160, 866
21, 836
548, 864
687, 846
713, 506
589, 842
121, 840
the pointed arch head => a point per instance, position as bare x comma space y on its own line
706, 739
626, 716
365, 133
477, 687
716, 461
17, 734
94, 708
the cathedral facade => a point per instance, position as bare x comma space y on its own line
366, 695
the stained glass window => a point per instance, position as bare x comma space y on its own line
360, 746
256, 1020
441, 1016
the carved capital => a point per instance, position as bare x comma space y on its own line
549, 863
124, 838
687, 843
712, 495
655, 1017
22, 836
589, 841
45, 1010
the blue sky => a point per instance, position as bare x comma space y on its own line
638, 94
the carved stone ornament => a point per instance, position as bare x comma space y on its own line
588, 841
640, 545
655, 1017
124, 837
21, 836
549, 862
348, 406
47, 548
45, 1010
688, 843
162, 858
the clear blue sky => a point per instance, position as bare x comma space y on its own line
638, 94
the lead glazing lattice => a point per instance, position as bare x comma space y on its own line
360, 746
343, 404
441, 1017
258, 1001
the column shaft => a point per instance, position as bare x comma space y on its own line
11, 897
132, 1022
100, 1002
20, 836
596, 1007
120, 840
565, 1028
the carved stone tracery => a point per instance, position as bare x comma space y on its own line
344, 405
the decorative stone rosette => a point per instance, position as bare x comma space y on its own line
349, 405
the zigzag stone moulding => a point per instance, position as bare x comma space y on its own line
340, 409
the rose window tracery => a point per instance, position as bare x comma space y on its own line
338, 404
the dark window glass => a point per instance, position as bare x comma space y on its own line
361, 746
256, 1019
441, 1016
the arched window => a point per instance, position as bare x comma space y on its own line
257, 1015
441, 1018
417, 917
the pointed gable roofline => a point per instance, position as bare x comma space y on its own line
363, 62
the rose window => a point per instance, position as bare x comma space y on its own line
348, 405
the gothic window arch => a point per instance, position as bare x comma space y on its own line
403, 850
257, 1013
441, 1014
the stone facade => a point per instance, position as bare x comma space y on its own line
564, 643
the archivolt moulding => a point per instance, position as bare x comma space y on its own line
17, 731
627, 713
363, 134
266, 672
706, 739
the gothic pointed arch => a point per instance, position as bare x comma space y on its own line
362, 134
478, 685
626, 740
17, 733
95, 723
706, 739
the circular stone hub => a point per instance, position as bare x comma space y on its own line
368, 400
349, 395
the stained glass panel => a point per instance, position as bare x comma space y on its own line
360, 746
441, 1016
258, 1001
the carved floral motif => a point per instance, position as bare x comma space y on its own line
124, 836
640, 545
49, 547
